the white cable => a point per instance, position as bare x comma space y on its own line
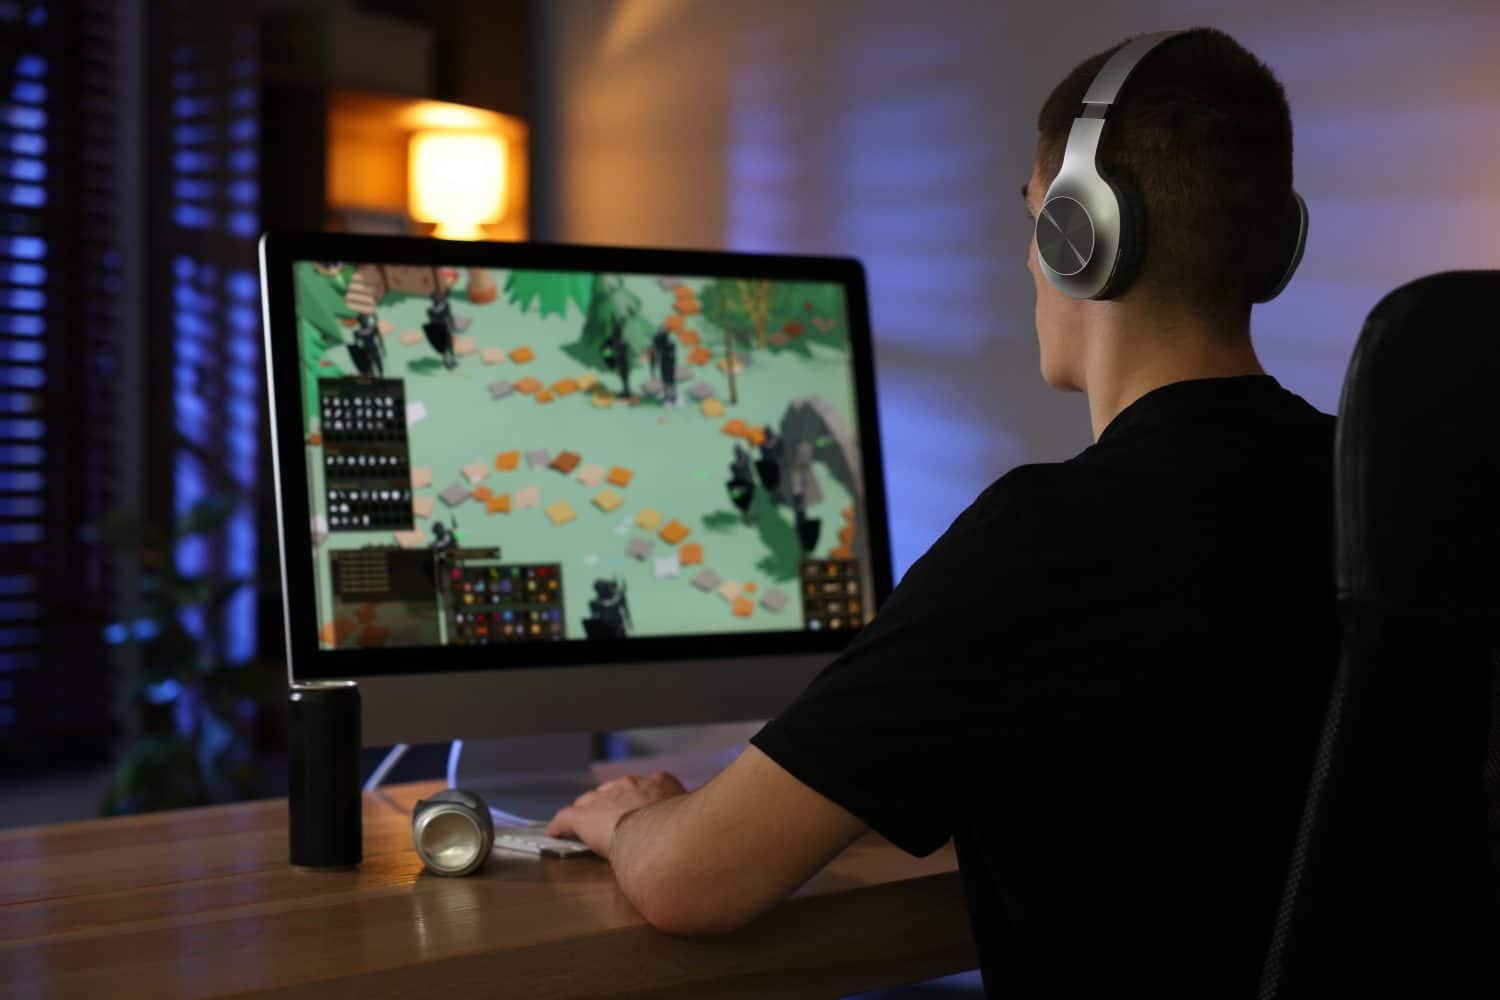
511, 819
391, 759
455, 750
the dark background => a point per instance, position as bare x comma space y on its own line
145, 144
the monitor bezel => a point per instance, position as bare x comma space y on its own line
307, 661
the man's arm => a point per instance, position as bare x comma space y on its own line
713, 859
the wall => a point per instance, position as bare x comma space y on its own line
900, 132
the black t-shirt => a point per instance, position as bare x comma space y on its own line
1105, 681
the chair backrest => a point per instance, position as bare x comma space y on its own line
1391, 888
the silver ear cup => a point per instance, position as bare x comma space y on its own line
1065, 235
451, 835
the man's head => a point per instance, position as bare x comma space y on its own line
1203, 134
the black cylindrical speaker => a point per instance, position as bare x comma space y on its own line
323, 786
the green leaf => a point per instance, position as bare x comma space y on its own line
549, 291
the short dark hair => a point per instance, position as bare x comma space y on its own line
1203, 132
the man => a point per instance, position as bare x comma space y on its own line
1105, 681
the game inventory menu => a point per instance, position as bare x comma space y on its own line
503, 603
831, 597
376, 590
366, 468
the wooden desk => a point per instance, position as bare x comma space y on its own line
202, 902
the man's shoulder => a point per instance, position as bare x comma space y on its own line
1030, 509
1037, 494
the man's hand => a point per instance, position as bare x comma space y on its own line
593, 815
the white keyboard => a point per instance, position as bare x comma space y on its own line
531, 840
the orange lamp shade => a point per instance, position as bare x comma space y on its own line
457, 180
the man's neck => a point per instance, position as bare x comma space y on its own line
1132, 352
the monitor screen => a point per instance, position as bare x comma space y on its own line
526, 456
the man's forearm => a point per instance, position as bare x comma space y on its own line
647, 851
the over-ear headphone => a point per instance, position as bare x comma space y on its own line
1091, 232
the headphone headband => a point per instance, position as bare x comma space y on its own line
1117, 69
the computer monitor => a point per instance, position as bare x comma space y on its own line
531, 489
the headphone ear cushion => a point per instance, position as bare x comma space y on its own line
1285, 254
1132, 238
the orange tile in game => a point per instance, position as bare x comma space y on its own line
673, 322
544, 395
522, 355
743, 607
619, 476
565, 387
560, 512
690, 554
674, 532
337, 632
690, 338
374, 635
735, 428
699, 356
528, 385
482, 493
498, 504
756, 436
508, 461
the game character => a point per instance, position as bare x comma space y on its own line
768, 466
444, 540
741, 482
616, 354
808, 528
664, 363
609, 611
367, 350
440, 326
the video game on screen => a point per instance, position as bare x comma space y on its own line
526, 456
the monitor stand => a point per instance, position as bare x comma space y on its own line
533, 777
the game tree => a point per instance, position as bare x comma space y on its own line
786, 314
603, 300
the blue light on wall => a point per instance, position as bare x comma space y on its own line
23, 328
216, 387
881, 159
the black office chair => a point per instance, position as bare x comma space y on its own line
1392, 888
